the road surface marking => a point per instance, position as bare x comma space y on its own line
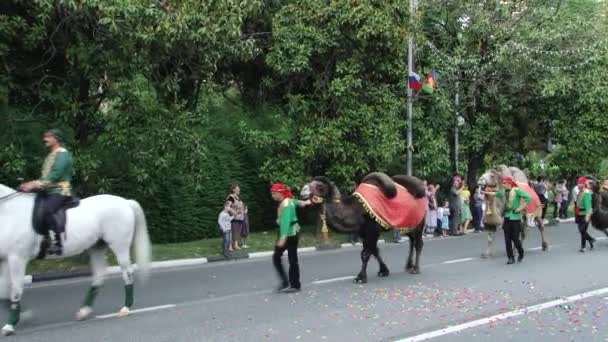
136, 311
457, 261
332, 280
503, 316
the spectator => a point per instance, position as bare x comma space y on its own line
541, 190
562, 187
455, 205
478, 199
552, 198
445, 218
238, 207
575, 191
431, 212
438, 231
225, 221
465, 210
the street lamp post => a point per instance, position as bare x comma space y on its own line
410, 95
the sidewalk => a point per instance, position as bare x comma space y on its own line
48, 276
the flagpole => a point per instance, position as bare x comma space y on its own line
456, 138
410, 97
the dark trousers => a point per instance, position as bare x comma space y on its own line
512, 232
543, 201
291, 245
582, 228
563, 210
227, 240
52, 203
477, 216
555, 207
454, 221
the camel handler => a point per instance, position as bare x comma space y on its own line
583, 210
516, 201
289, 229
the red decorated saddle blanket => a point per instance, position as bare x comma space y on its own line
403, 212
534, 204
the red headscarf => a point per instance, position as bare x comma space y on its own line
282, 189
582, 180
509, 180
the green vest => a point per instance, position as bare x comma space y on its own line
288, 222
57, 172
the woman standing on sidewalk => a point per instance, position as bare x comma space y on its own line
238, 207
582, 211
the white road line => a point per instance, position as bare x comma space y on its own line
332, 280
152, 308
503, 316
457, 261
602, 238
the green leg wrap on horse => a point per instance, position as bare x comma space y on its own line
129, 295
14, 313
91, 295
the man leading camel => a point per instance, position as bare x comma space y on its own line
516, 201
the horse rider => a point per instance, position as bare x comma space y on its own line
54, 184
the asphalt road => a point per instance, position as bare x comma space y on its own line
560, 295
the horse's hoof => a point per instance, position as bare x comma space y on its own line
484, 255
8, 330
414, 271
124, 312
383, 273
545, 246
84, 313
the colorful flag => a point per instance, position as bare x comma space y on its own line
430, 82
414, 81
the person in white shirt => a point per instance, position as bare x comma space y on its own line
225, 221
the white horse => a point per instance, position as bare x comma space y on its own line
97, 223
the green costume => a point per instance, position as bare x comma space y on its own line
514, 197
57, 172
288, 221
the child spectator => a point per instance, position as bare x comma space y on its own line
445, 221
225, 221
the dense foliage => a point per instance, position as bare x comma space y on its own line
170, 102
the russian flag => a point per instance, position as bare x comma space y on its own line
414, 81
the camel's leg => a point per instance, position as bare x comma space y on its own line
541, 228
409, 265
370, 241
383, 272
419, 244
488, 252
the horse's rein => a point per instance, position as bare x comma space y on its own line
9, 196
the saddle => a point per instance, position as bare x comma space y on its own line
38, 219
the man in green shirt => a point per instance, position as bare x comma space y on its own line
287, 219
583, 209
516, 201
54, 183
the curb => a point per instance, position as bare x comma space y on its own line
49, 276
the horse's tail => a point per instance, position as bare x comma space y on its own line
143, 250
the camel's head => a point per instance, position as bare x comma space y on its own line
491, 178
319, 190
